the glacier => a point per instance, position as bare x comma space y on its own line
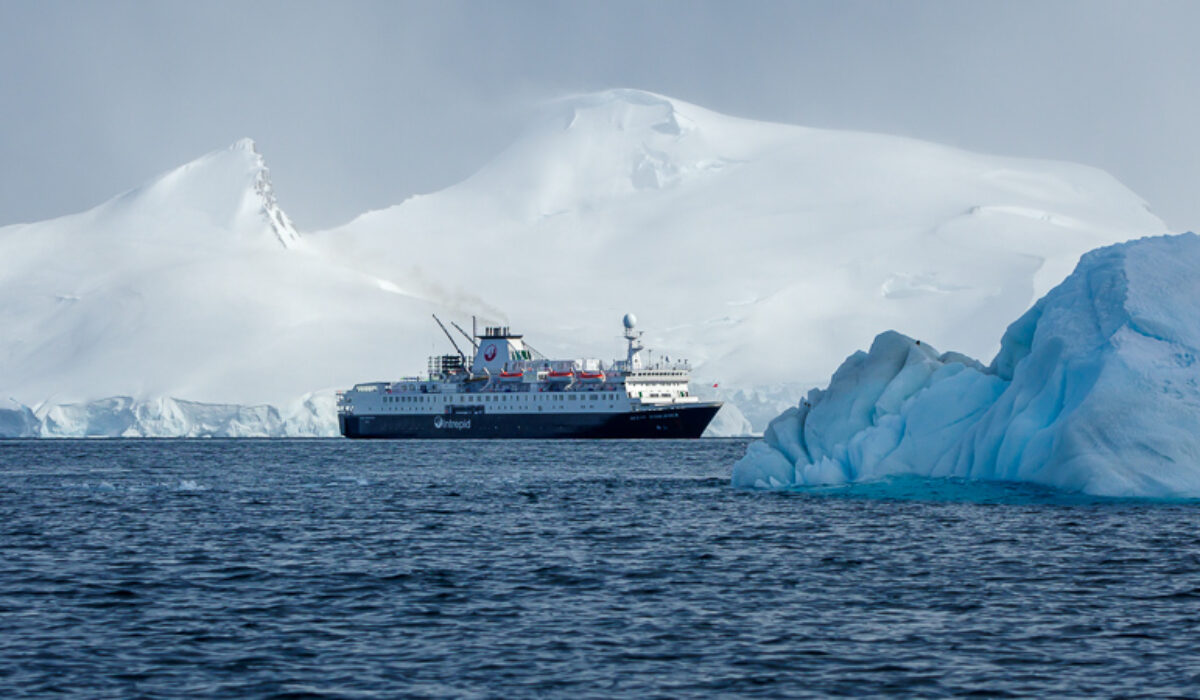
193, 305
1095, 389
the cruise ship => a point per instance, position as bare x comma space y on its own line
504, 388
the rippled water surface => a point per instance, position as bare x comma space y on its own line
615, 569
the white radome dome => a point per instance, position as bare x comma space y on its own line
630, 321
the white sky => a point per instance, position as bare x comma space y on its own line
358, 105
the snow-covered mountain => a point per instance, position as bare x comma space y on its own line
190, 299
192, 306
758, 250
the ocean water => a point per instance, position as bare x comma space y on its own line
330, 568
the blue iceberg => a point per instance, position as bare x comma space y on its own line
1096, 389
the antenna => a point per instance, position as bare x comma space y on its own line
443, 327
469, 338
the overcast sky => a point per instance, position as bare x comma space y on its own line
357, 105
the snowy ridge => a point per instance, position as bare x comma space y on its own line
754, 249
1095, 389
276, 218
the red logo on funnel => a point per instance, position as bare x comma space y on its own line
490, 353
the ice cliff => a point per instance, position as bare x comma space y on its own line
1095, 389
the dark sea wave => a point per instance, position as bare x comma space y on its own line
329, 568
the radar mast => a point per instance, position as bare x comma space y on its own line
635, 342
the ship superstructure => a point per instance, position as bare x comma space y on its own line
504, 388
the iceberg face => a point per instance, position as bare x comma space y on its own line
1095, 389
729, 422
17, 421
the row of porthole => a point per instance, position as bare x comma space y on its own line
406, 399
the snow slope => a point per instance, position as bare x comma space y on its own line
192, 306
1095, 389
757, 250
174, 307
